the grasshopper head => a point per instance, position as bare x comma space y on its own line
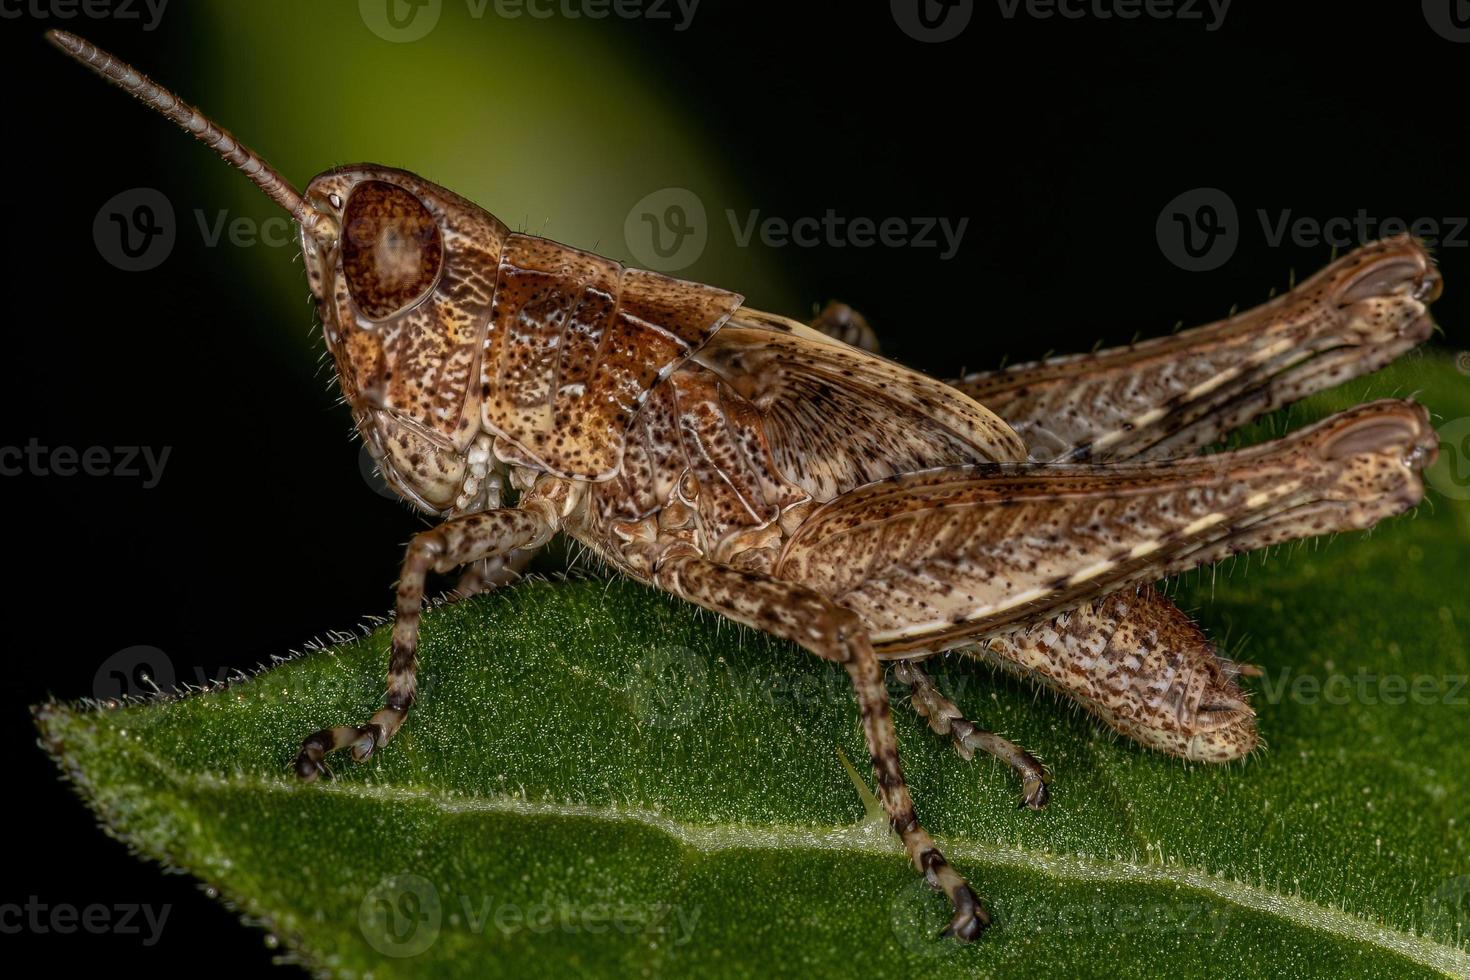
403, 272
404, 292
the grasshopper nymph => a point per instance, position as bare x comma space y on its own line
766, 470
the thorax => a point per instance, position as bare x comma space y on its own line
697, 477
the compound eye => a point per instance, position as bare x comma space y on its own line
391, 249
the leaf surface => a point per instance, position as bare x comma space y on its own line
599, 780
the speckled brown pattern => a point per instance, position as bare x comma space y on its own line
1171, 395
411, 377
772, 473
573, 346
1134, 660
946, 556
392, 249
837, 417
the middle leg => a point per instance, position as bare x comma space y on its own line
490, 574
945, 718
795, 613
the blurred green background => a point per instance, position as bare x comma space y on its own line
549, 124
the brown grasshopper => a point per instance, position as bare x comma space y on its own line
765, 470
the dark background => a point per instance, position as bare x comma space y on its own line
1061, 140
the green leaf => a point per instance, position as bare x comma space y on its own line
600, 780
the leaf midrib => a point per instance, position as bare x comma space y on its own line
872, 837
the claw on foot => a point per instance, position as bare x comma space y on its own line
361, 739
1035, 793
308, 770
367, 740
970, 918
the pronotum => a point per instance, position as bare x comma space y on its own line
780, 476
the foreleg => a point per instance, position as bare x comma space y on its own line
455, 542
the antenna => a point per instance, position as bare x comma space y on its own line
191, 120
